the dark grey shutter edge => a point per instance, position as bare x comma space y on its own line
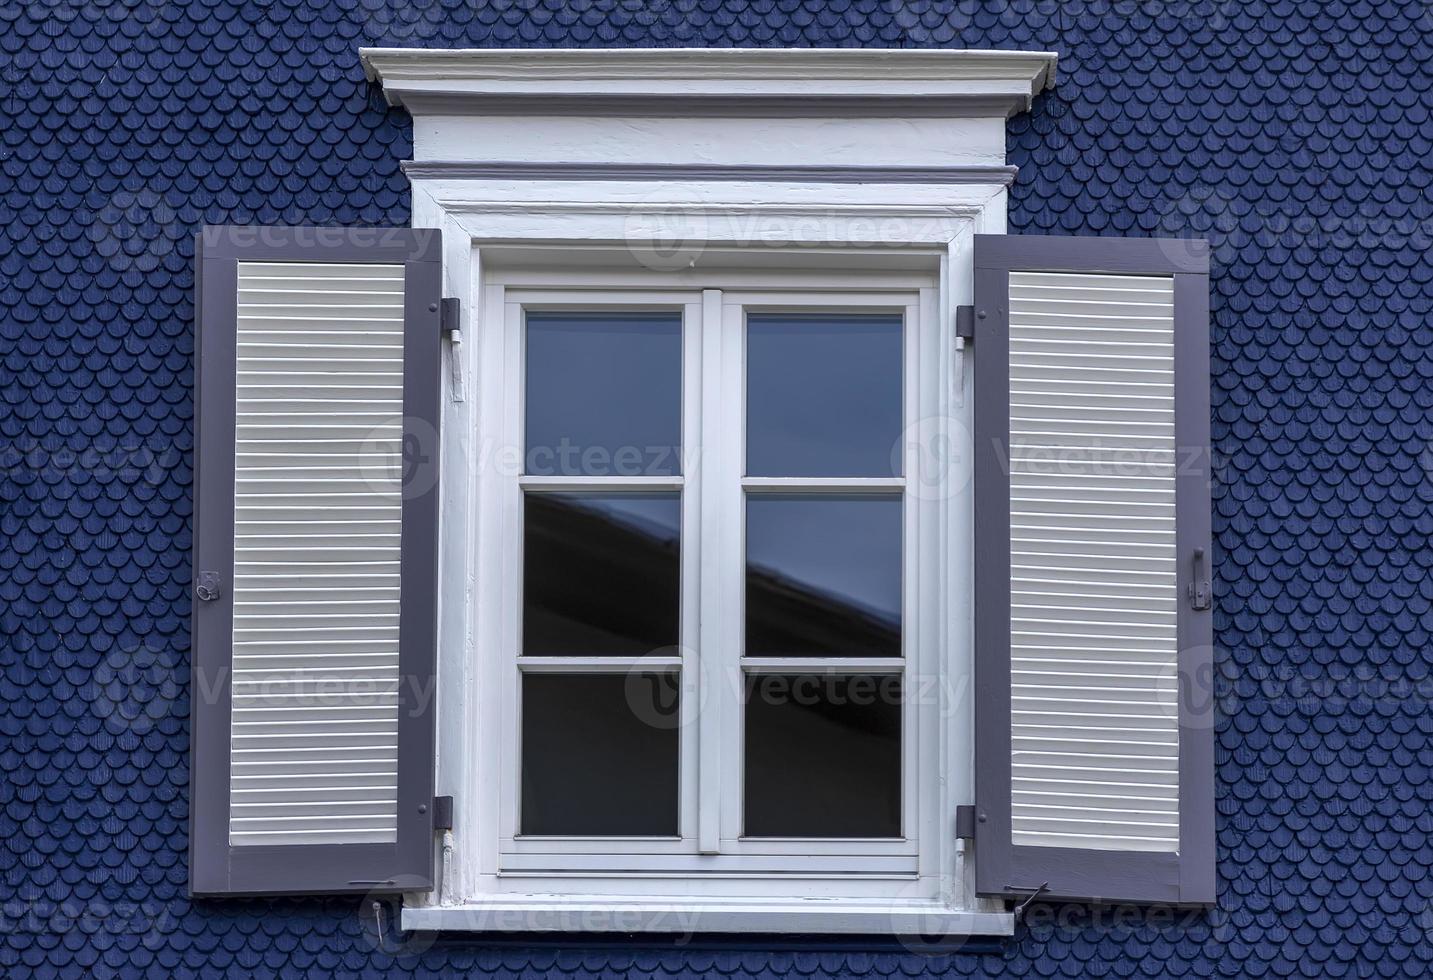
991, 404
1193, 530
216, 868
1001, 868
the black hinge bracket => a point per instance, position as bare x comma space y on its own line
965, 821
452, 315
965, 322
443, 810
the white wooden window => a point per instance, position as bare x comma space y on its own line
708, 474
495, 875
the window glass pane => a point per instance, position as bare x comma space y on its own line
599, 754
604, 394
823, 575
601, 573
823, 756
823, 394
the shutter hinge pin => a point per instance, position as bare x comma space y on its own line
450, 320
442, 813
965, 822
965, 322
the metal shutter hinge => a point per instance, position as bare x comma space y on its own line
442, 813
965, 322
1199, 597
965, 822
451, 316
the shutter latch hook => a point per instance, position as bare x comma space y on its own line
1199, 598
1019, 911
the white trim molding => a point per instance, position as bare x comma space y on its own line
518, 237
702, 81
803, 115
930, 922
835, 174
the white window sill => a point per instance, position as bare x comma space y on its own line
811, 916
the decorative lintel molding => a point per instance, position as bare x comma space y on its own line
711, 81
520, 170
665, 209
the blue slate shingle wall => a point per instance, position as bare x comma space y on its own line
1295, 132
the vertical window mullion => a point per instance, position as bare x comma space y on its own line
721, 666
707, 476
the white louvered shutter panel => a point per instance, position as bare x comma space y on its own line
1094, 771
1093, 644
317, 546
315, 559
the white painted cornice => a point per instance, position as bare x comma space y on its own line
711, 81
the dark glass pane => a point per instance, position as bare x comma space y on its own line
604, 394
823, 395
601, 573
599, 754
823, 756
823, 575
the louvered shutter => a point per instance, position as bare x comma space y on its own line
1094, 751
317, 353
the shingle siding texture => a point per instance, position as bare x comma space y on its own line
1295, 134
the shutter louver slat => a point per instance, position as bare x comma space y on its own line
1071, 324
285, 690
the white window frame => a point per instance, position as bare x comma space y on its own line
484, 887
713, 559
820, 163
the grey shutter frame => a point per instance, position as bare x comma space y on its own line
1012, 870
217, 867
